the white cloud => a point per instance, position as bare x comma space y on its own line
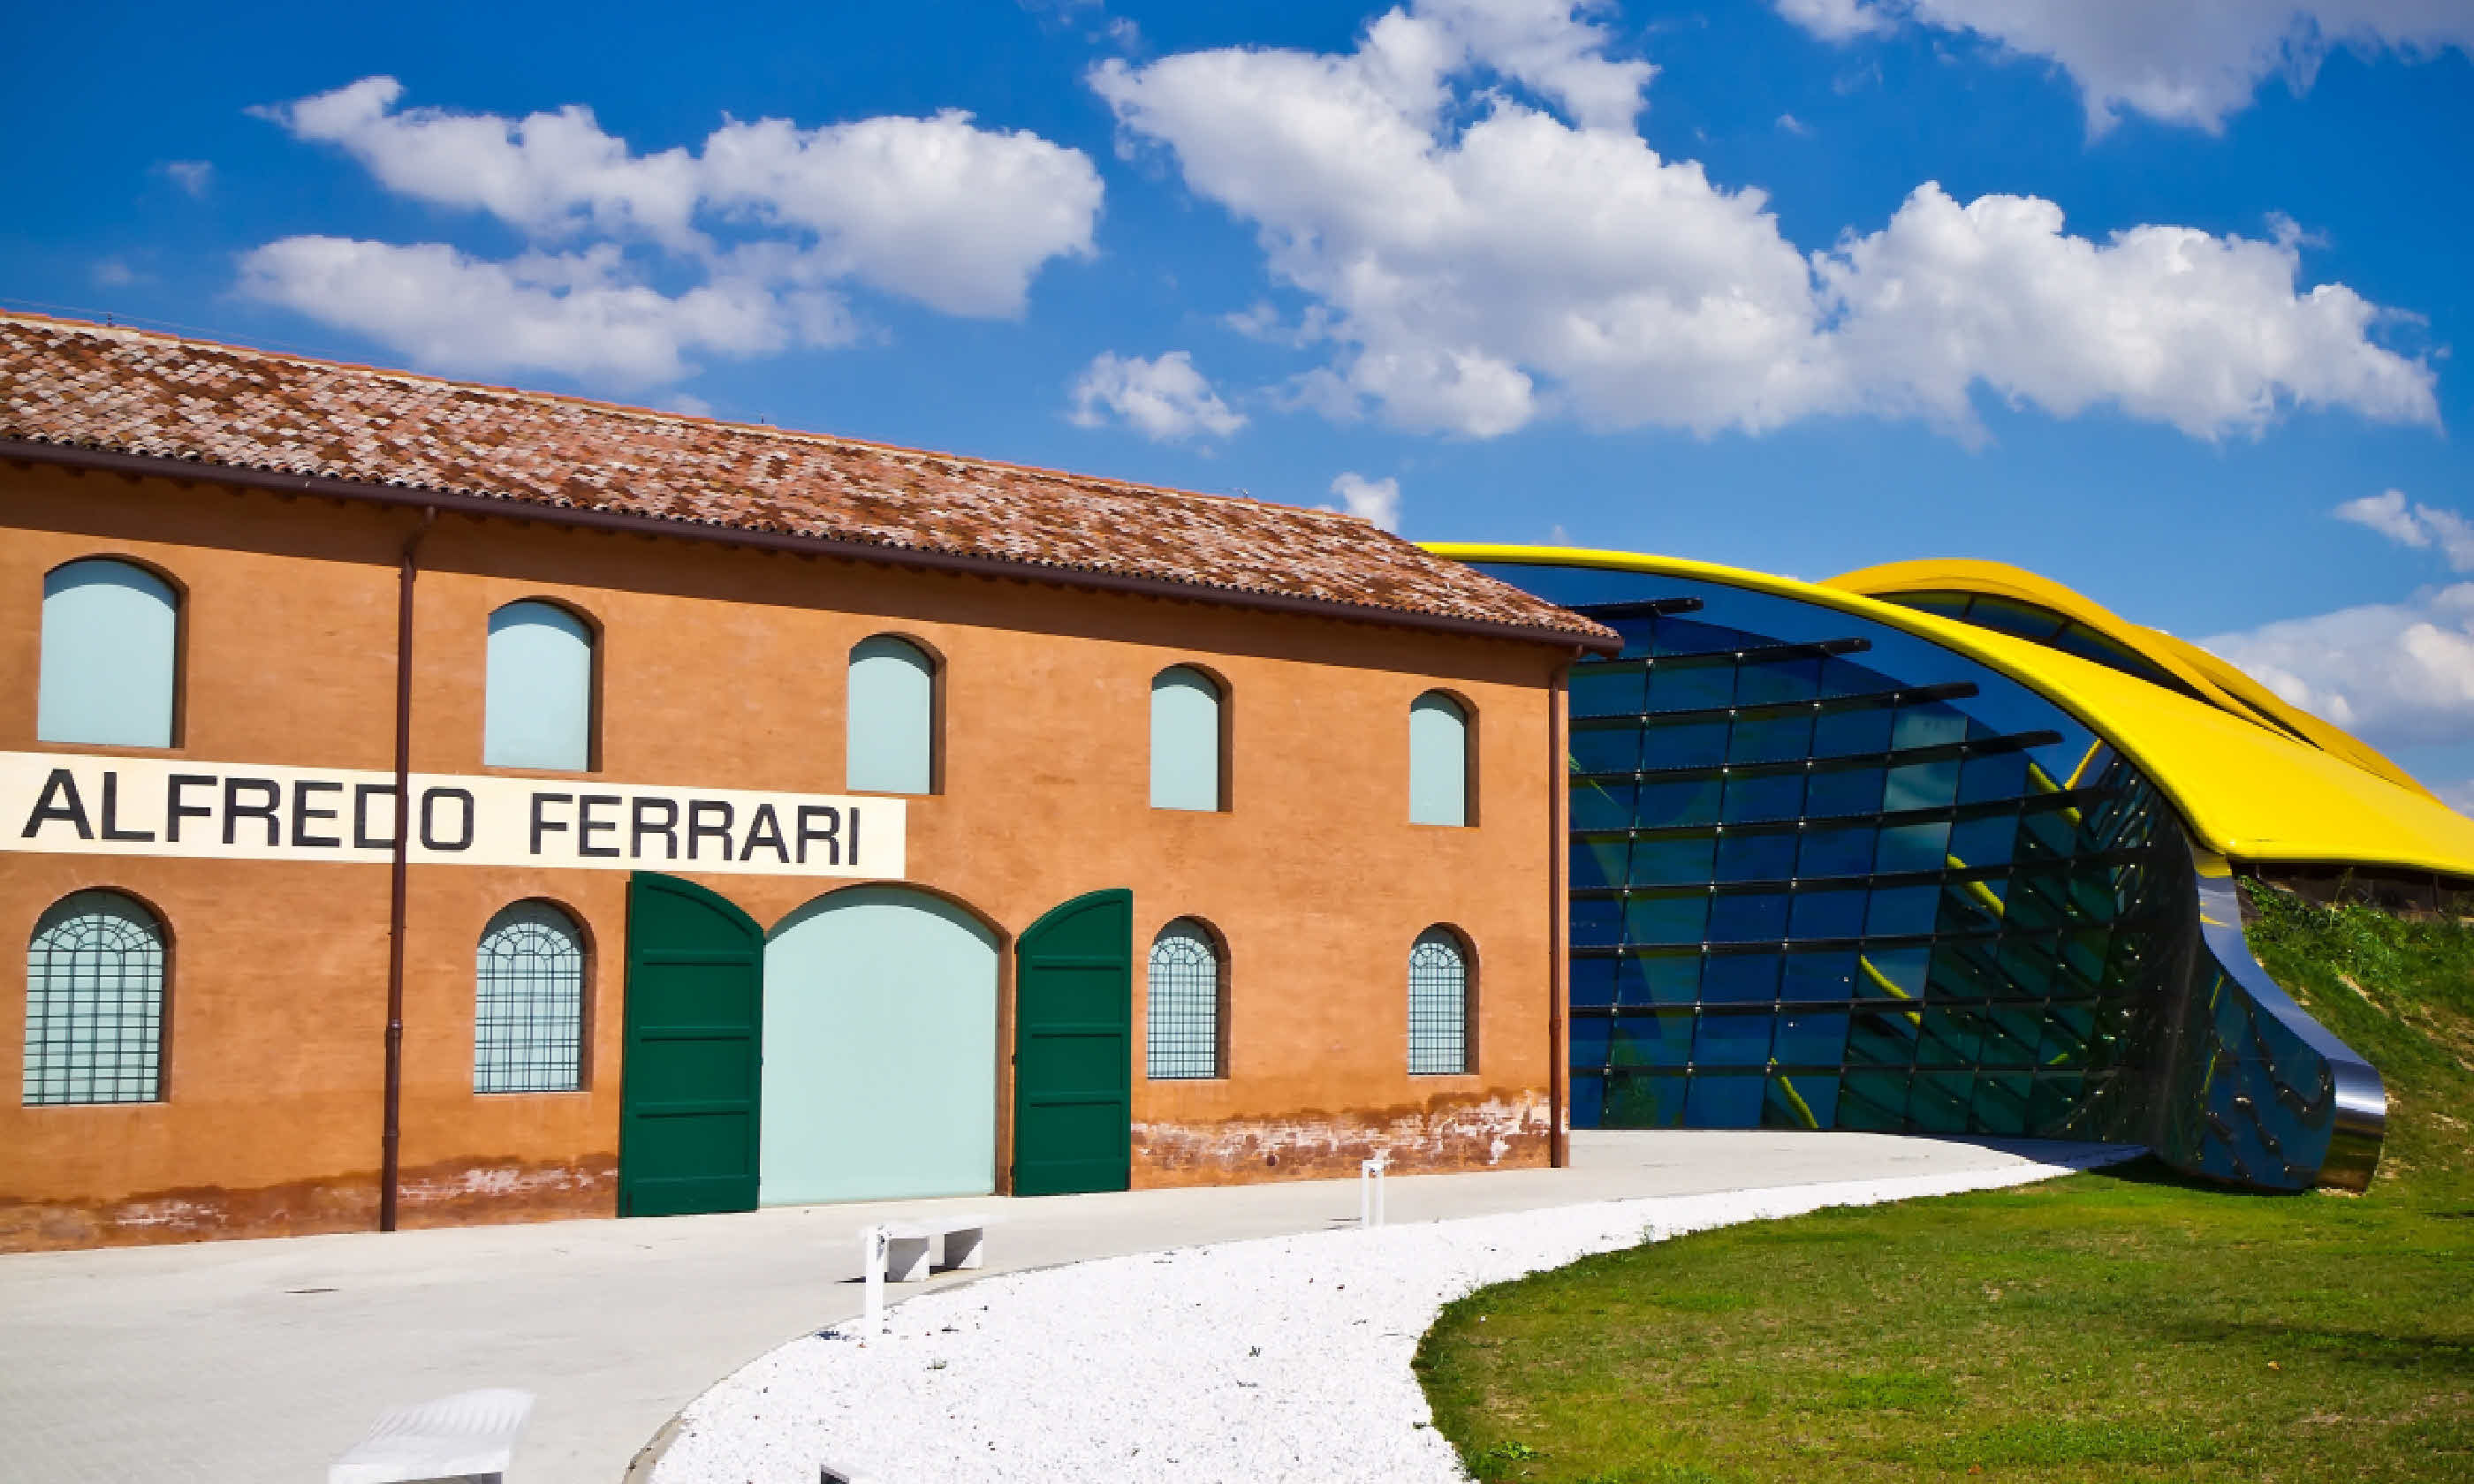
1371, 499
1837, 20
113, 273
1481, 263
2414, 525
760, 222
2399, 674
1788, 123
578, 315
1163, 399
2184, 61
197, 176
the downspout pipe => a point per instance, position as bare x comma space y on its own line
391, 1137
1559, 799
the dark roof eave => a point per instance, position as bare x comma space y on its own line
510, 507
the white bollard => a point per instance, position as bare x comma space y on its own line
1370, 1191
872, 1245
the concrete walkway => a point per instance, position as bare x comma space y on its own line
262, 1361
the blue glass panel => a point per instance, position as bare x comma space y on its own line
1949, 1037
1884, 1038
1638, 633
1753, 797
1844, 793
1903, 969
1589, 1100
1830, 974
1779, 680
1602, 805
1597, 922
1594, 981
1652, 1041
1924, 846
109, 649
1811, 1038
1671, 802
1644, 1100
1602, 751
1921, 786
1937, 1102
1596, 863
893, 718
1748, 916
1835, 911
1847, 677
1739, 978
1929, 724
1991, 775
1985, 842
1691, 684
1683, 861
1873, 1100
1724, 1102
1771, 738
1185, 740
1809, 1101
1846, 850
1665, 920
1691, 636
1590, 1035
1597, 690
1662, 979
1856, 733
1755, 856
1732, 1038
1903, 911
538, 705
1701, 743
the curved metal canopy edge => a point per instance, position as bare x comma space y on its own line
2247, 789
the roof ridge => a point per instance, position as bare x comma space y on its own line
636, 412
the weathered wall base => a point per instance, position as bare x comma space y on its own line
1442, 1136
442, 1195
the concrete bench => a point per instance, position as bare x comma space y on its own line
906, 1244
470, 1435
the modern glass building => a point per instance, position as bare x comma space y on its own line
1947, 849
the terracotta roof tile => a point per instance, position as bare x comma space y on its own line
137, 393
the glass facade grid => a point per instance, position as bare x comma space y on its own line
1825, 873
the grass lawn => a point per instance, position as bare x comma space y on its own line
2105, 1327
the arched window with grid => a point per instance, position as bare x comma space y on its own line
528, 1002
1438, 1004
94, 1003
1186, 983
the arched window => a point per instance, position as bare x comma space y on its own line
94, 1002
1438, 1003
540, 697
1185, 740
1185, 997
111, 647
528, 1002
893, 718
1439, 771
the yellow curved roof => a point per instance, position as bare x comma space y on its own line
2220, 683
2247, 789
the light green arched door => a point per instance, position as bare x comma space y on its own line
880, 1050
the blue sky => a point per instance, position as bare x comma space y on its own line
2162, 301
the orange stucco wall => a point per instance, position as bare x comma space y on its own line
723, 666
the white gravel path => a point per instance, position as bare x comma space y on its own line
1276, 1359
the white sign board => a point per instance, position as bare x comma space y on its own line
83, 805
